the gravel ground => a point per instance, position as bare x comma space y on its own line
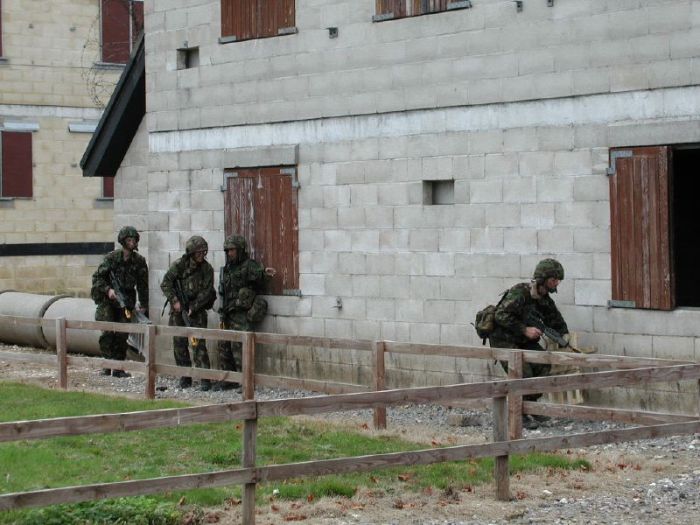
650, 481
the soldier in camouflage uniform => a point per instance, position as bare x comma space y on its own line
239, 283
511, 328
193, 276
129, 268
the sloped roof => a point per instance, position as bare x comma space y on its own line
120, 120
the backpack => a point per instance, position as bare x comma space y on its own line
257, 311
485, 322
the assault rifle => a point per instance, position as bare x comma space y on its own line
533, 319
184, 308
132, 313
222, 294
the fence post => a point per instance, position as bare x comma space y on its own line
379, 418
500, 433
149, 345
250, 426
62, 353
515, 401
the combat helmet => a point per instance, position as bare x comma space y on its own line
196, 244
237, 242
127, 231
547, 268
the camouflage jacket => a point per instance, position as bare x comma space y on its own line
512, 311
248, 275
132, 275
196, 282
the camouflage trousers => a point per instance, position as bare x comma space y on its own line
200, 356
230, 354
529, 369
112, 344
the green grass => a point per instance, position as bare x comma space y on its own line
101, 458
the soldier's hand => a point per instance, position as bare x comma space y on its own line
270, 272
177, 307
533, 333
111, 294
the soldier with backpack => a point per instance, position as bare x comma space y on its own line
521, 317
241, 308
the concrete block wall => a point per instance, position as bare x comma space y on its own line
487, 54
47, 80
51, 48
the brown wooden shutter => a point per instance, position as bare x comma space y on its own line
642, 270
16, 164
395, 8
115, 31
246, 19
261, 205
136, 22
108, 187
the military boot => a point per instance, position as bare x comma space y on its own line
205, 385
106, 372
120, 373
185, 382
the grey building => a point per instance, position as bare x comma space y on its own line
408, 161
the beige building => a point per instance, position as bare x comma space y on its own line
59, 61
418, 158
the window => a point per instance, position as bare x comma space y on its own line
187, 58
122, 24
246, 19
16, 166
261, 205
438, 192
107, 187
654, 225
391, 9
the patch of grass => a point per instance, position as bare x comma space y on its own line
101, 458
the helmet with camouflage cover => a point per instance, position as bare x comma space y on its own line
127, 231
196, 244
547, 268
235, 241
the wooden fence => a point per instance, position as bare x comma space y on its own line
508, 408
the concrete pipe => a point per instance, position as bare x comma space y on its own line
19, 304
75, 309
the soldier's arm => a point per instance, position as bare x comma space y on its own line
168, 284
510, 312
554, 319
142, 284
206, 292
101, 279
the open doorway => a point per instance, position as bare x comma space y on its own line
686, 224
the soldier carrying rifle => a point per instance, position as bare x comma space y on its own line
189, 288
116, 281
524, 314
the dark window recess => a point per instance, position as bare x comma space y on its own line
438, 192
247, 19
261, 205
16, 169
392, 9
122, 24
187, 58
642, 260
685, 221
108, 187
